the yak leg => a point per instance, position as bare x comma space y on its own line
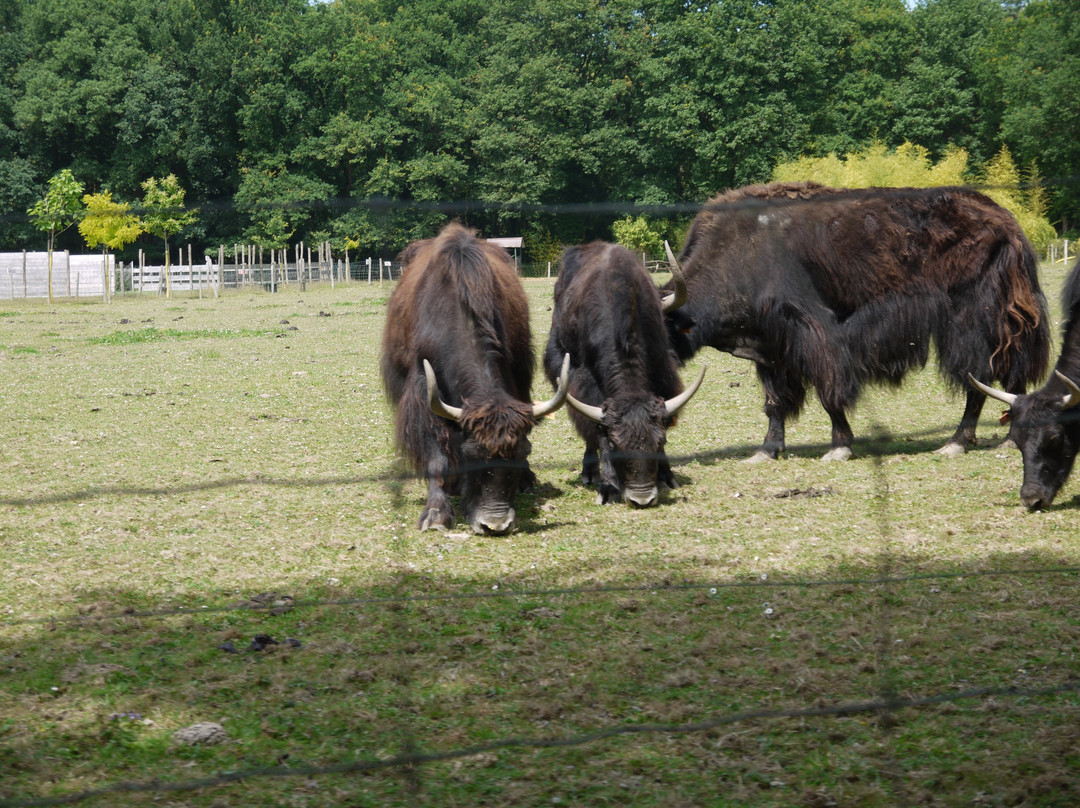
784, 395
590, 466
664, 473
842, 436
965, 432
437, 511
609, 490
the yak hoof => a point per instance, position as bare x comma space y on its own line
760, 456
1008, 443
951, 449
435, 519
608, 495
838, 453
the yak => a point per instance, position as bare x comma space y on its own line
835, 288
608, 316
1045, 425
457, 364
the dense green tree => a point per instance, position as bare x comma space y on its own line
944, 98
387, 118
1040, 81
278, 204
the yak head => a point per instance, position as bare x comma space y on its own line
1045, 426
634, 426
494, 450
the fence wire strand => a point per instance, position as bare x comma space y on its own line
413, 757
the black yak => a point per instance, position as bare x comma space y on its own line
835, 288
624, 382
458, 364
1045, 425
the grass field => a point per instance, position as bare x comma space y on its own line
180, 476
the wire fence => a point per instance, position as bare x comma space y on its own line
413, 758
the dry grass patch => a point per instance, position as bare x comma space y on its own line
234, 477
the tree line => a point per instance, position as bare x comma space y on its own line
356, 121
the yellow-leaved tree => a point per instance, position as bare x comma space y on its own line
110, 224
909, 166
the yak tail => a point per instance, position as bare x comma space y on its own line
1022, 353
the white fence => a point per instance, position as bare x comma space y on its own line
26, 274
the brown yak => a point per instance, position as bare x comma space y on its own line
458, 364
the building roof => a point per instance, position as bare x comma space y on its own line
509, 243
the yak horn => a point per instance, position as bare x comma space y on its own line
588, 410
1073, 398
540, 410
1000, 395
673, 405
438, 406
678, 296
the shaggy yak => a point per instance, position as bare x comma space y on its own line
624, 383
835, 288
458, 364
1045, 425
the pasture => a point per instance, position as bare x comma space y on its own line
180, 476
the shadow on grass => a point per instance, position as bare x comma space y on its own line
628, 692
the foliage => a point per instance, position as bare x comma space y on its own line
909, 166
108, 223
637, 235
1027, 203
57, 210
278, 203
164, 214
383, 120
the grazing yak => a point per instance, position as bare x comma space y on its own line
1045, 425
835, 288
624, 383
457, 363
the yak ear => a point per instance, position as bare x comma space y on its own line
1006, 416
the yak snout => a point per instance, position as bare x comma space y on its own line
642, 497
1035, 499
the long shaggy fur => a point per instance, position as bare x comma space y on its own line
835, 288
608, 316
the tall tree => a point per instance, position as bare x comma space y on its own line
1040, 87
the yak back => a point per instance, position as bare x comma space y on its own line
608, 316
460, 305
892, 266
1069, 361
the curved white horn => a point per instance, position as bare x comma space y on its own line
438, 406
1000, 395
673, 405
540, 410
678, 296
1073, 398
588, 410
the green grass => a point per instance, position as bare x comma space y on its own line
164, 334
152, 490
